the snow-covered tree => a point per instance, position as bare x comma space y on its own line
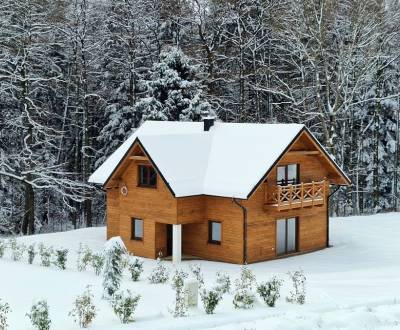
84, 310
180, 307
39, 315
160, 273
244, 295
114, 252
124, 305
4, 310
172, 90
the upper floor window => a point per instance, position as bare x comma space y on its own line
147, 176
214, 232
288, 174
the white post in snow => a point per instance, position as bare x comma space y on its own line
176, 243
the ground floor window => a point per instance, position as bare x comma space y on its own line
137, 229
214, 232
286, 236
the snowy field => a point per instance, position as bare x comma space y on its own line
353, 285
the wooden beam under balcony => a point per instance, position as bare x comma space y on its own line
303, 153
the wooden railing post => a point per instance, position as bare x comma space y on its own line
302, 193
312, 193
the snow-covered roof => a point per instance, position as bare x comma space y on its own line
228, 160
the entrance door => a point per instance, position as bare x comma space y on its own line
286, 236
169, 240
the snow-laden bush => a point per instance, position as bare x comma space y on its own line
4, 310
270, 291
97, 262
210, 299
298, 292
135, 268
17, 250
45, 254
178, 282
84, 310
39, 315
3, 247
124, 305
197, 273
31, 253
244, 289
160, 273
223, 283
61, 258
84, 257
113, 265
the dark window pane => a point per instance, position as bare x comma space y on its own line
147, 176
153, 177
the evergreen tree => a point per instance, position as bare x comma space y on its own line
113, 265
173, 90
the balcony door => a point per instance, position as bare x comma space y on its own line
286, 236
288, 174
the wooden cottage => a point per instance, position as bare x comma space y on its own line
237, 193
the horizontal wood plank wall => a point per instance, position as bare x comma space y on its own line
195, 236
112, 212
152, 205
191, 209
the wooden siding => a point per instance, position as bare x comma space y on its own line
112, 212
158, 207
195, 236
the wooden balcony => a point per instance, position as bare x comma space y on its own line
295, 196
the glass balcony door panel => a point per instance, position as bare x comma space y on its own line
281, 237
286, 236
292, 174
291, 235
281, 175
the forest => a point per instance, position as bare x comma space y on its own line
78, 76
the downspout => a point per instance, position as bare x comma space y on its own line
244, 229
327, 215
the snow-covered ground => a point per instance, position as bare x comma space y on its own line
353, 285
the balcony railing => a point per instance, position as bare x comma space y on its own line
296, 195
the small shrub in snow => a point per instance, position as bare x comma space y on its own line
45, 254
178, 282
210, 299
97, 263
135, 268
160, 273
113, 265
270, 291
223, 282
298, 293
17, 250
244, 289
84, 310
61, 258
196, 271
4, 310
124, 305
84, 257
39, 315
3, 247
31, 253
